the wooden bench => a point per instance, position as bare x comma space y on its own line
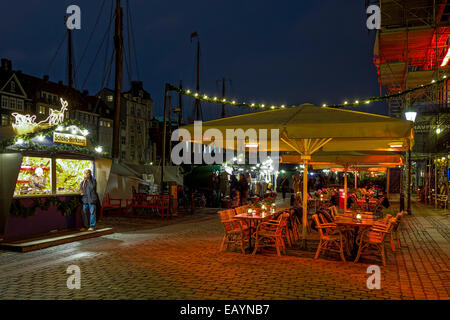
109, 202
158, 202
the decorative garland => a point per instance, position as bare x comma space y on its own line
66, 207
207, 98
28, 145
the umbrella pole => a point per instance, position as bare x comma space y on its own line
305, 203
345, 189
356, 180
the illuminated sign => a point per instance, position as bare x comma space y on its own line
67, 138
26, 123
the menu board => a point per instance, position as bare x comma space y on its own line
34, 177
70, 173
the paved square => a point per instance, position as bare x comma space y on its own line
179, 259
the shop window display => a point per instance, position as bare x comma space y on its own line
34, 177
70, 173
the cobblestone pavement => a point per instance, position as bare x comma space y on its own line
179, 259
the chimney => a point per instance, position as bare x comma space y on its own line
46, 77
85, 92
6, 65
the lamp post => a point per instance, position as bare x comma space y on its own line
410, 115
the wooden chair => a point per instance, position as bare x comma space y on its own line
269, 234
393, 235
109, 202
234, 233
242, 209
333, 211
331, 238
372, 240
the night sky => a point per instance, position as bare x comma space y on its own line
275, 52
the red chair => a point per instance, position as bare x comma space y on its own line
163, 206
109, 202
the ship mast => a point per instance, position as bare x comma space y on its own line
118, 46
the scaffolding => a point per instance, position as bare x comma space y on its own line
409, 51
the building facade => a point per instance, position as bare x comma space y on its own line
26, 94
136, 121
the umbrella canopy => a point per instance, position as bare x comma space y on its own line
307, 129
342, 159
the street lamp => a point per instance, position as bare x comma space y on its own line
410, 115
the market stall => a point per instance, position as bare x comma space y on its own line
43, 166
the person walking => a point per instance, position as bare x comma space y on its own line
89, 198
284, 184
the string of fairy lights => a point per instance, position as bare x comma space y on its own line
262, 106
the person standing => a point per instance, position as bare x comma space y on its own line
243, 189
284, 184
296, 184
215, 189
89, 198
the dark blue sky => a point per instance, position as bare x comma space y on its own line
275, 52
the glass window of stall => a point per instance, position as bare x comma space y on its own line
70, 173
39, 176
34, 177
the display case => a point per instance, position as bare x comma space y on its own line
70, 173
40, 176
35, 177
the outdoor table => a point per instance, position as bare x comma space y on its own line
348, 221
252, 221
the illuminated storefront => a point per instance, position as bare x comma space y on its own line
42, 166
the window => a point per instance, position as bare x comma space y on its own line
123, 154
20, 104
108, 124
13, 86
42, 109
132, 109
101, 123
132, 140
132, 155
110, 98
123, 140
34, 177
5, 102
12, 103
5, 120
69, 174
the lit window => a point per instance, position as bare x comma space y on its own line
108, 124
34, 177
5, 120
42, 109
110, 98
